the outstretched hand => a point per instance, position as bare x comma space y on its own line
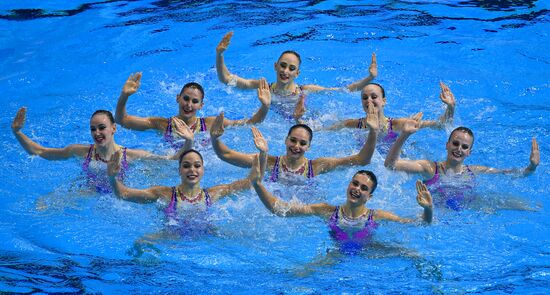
446, 96
534, 158
182, 129
217, 128
423, 197
113, 165
132, 84
224, 43
413, 124
264, 94
373, 68
259, 140
372, 116
19, 120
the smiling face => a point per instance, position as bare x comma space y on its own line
297, 143
287, 68
191, 169
102, 129
459, 146
372, 92
359, 189
190, 101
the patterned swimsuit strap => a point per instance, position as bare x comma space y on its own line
275, 171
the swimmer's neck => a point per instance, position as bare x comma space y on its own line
106, 151
284, 87
453, 166
353, 210
189, 121
189, 190
294, 164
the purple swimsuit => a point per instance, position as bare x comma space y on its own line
171, 209
284, 105
99, 180
384, 143
275, 172
169, 137
352, 244
450, 194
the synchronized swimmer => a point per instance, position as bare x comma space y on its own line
285, 89
390, 127
190, 101
451, 181
97, 154
297, 142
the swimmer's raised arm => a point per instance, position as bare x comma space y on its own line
355, 86
264, 96
130, 87
225, 153
423, 198
364, 156
348, 123
280, 207
223, 73
448, 98
33, 148
219, 191
393, 160
147, 195
373, 72
180, 129
534, 160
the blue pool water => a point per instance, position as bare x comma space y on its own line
64, 61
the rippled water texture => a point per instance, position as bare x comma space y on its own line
64, 60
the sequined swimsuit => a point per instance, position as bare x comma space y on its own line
354, 242
96, 170
171, 140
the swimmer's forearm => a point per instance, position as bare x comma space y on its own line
120, 113
358, 85
395, 150
221, 68
529, 169
260, 115
266, 197
28, 145
428, 214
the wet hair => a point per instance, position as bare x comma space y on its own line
302, 126
372, 177
193, 85
190, 151
465, 130
106, 113
292, 52
376, 84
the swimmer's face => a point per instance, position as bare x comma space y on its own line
190, 101
372, 93
287, 68
459, 146
359, 189
102, 129
297, 143
191, 169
